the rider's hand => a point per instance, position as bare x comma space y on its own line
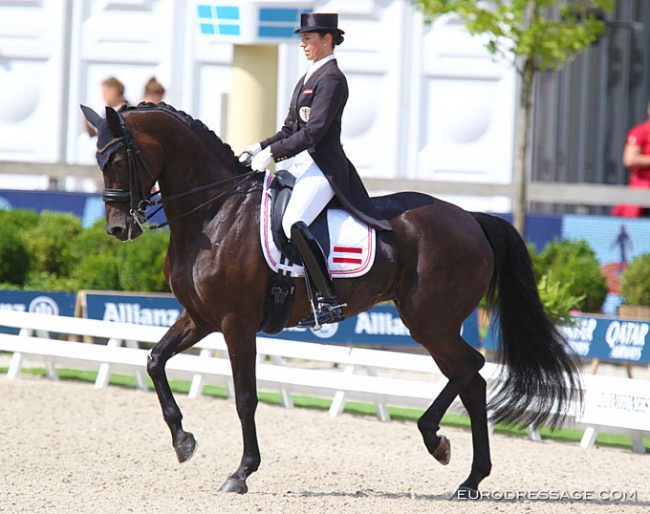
262, 160
250, 152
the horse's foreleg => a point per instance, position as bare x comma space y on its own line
241, 348
182, 335
474, 400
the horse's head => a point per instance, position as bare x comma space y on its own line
128, 178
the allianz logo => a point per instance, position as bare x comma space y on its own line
380, 323
39, 305
135, 313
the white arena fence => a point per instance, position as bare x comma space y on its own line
612, 405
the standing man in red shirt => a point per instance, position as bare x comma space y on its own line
636, 156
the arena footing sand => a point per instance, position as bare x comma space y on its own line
70, 448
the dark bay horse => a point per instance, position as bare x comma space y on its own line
436, 265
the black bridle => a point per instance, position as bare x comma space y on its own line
139, 198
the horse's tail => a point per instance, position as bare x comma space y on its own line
541, 379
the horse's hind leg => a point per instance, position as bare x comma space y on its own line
182, 335
474, 400
460, 363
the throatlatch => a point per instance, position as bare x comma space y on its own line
328, 310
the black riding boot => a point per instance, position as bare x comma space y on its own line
328, 310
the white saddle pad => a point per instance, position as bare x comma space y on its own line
352, 243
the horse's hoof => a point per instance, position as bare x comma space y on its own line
186, 447
466, 493
234, 485
443, 452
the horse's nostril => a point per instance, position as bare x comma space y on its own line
115, 230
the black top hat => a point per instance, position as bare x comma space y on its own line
318, 22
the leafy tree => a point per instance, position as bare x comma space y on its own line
534, 35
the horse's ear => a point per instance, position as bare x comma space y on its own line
113, 121
91, 116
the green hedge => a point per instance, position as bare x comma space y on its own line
53, 252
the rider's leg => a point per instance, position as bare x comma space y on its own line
329, 309
311, 193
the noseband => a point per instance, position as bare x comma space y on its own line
136, 196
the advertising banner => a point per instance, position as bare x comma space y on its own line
41, 302
600, 337
616, 401
609, 339
380, 326
147, 309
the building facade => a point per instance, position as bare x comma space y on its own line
426, 101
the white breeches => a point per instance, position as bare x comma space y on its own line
311, 193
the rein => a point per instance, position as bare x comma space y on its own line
163, 201
140, 200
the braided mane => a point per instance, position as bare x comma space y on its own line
222, 149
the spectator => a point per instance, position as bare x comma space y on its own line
113, 95
154, 91
636, 157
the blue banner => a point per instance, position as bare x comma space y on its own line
380, 326
155, 310
609, 339
605, 338
41, 302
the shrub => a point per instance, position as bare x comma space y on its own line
635, 281
49, 243
14, 257
93, 241
573, 263
141, 263
20, 220
98, 272
557, 298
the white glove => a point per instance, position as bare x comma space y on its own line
250, 152
262, 160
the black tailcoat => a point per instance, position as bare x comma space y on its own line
314, 124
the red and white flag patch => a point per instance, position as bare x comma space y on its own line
347, 255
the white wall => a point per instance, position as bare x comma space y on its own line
426, 102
